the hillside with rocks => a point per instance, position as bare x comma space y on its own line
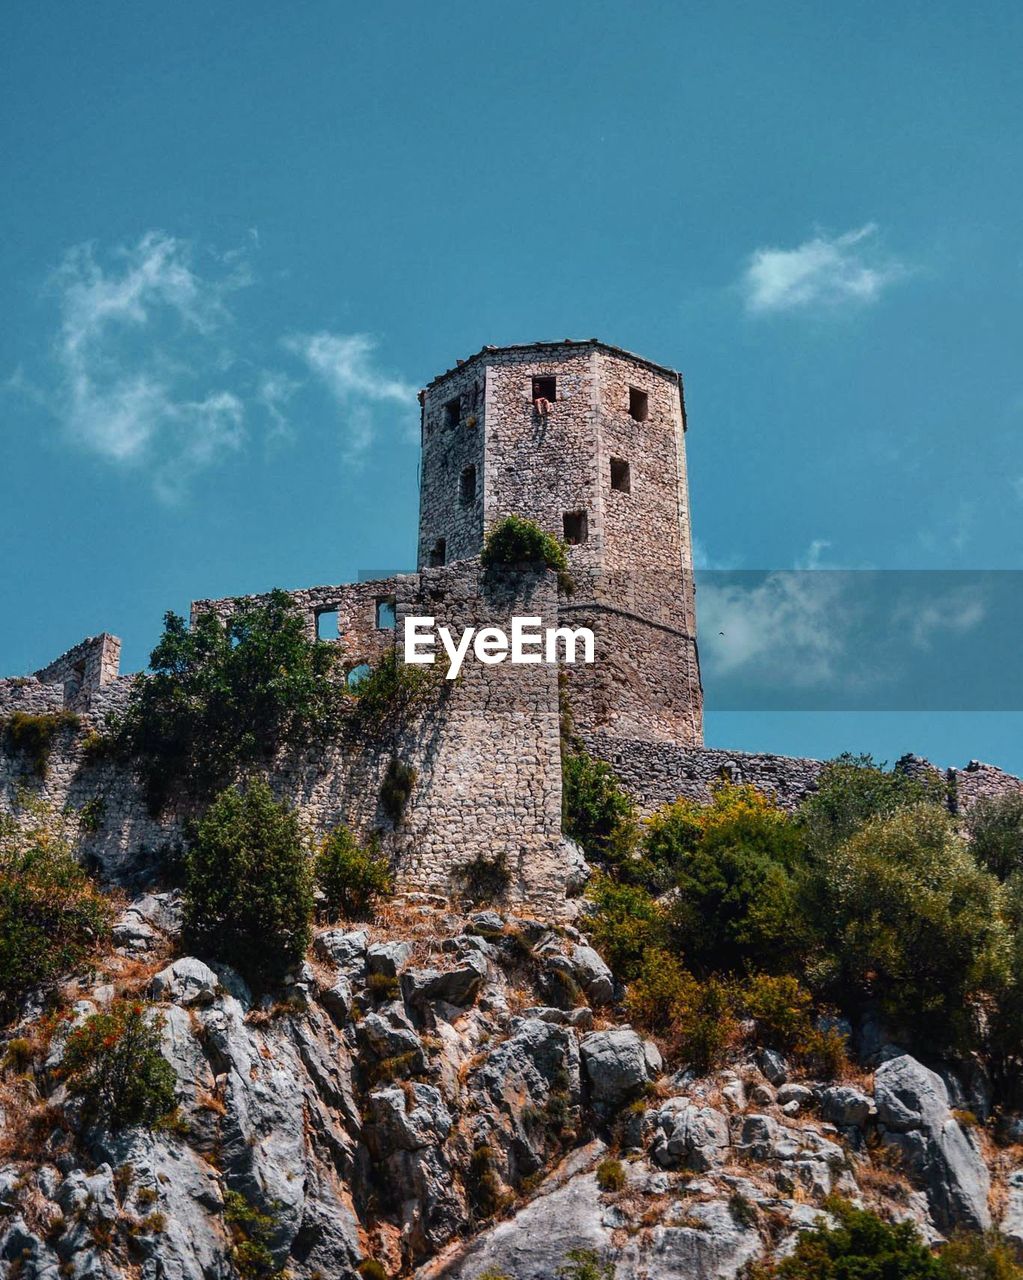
422, 1093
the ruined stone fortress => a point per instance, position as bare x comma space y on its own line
588, 441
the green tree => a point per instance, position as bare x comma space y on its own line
995, 826
113, 1062
248, 883
52, 915
852, 790
350, 877
226, 695
909, 918
736, 865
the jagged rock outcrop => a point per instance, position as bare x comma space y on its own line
914, 1116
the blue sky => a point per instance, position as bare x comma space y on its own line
236, 238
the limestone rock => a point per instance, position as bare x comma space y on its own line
187, 982
688, 1136
617, 1066
912, 1106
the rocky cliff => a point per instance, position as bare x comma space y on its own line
451, 1096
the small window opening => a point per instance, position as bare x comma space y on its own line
453, 412
327, 627
467, 485
437, 553
639, 404
357, 674
545, 389
620, 475
575, 527
387, 618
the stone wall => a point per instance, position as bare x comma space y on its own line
656, 773
486, 751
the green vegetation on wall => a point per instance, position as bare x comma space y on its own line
224, 696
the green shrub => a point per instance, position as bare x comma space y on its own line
517, 541
396, 789
92, 813
595, 810
861, 1245
113, 1062
611, 1175
783, 1014
371, 1269
585, 1264
626, 922
995, 827
248, 884
252, 1232
350, 877
32, 735
52, 915
854, 789
908, 918
736, 865
695, 1020
225, 696
483, 880
483, 1184
979, 1257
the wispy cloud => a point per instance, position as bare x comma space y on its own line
827, 271
346, 365
139, 360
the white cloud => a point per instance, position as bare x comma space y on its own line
822, 272
788, 627
345, 364
138, 352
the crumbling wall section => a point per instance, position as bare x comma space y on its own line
87, 666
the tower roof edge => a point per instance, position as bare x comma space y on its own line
552, 347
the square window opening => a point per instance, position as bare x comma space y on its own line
545, 389
576, 530
620, 479
327, 626
386, 615
453, 412
437, 553
467, 485
639, 404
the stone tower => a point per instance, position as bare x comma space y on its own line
588, 441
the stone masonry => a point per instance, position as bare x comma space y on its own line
586, 440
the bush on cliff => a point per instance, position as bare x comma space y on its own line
52, 915
595, 810
516, 541
113, 1062
248, 884
910, 920
350, 877
226, 695
735, 866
